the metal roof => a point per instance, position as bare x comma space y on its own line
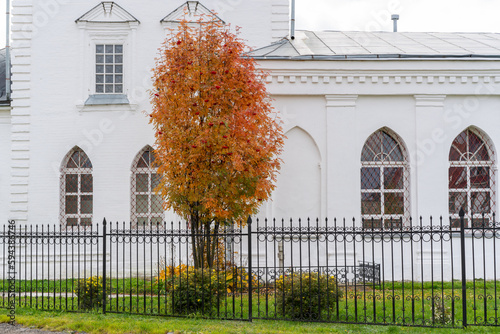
330, 45
3, 95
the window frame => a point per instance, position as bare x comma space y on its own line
473, 220
104, 74
150, 170
91, 62
384, 220
93, 34
78, 171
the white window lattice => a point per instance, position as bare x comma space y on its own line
109, 69
146, 204
471, 179
76, 190
384, 182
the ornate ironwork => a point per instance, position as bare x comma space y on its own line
335, 271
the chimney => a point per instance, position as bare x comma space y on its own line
395, 18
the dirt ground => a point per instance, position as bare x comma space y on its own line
6, 328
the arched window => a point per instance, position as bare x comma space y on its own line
384, 181
471, 178
76, 189
146, 204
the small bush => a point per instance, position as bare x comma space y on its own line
441, 312
305, 295
90, 292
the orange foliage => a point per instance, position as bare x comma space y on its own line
217, 143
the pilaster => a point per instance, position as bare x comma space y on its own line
428, 163
22, 32
342, 186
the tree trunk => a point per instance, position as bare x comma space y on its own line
204, 242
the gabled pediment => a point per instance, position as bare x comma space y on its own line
191, 11
107, 12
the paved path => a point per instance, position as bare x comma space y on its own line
6, 328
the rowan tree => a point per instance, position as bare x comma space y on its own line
217, 141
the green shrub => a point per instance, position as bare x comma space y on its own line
305, 295
90, 292
441, 312
195, 290
232, 279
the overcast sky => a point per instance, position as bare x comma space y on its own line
374, 15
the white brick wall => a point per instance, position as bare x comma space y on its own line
52, 59
22, 28
280, 19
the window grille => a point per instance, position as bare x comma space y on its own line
76, 189
146, 204
471, 179
384, 182
109, 69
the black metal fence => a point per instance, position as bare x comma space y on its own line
428, 274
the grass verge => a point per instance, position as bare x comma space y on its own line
120, 323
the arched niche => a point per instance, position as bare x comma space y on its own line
298, 191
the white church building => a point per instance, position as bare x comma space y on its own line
382, 126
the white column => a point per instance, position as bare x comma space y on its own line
342, 192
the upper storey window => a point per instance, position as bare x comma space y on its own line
107, 62
109, 69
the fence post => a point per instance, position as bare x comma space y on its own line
464, 273
249, 227
11, 272
104, 250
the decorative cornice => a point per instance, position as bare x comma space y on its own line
107, 12
382, 79
191, 11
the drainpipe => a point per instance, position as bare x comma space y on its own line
7, 51
292, 21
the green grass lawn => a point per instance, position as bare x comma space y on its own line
387, 304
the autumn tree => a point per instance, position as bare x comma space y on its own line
217, 141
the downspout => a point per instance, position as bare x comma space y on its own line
292, 21
7, 51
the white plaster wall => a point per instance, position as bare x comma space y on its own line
298, 193
426, 103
